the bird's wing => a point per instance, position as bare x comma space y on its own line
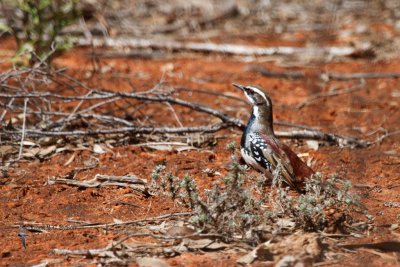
266, 152
300, 168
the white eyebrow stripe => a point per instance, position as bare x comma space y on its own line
259, 92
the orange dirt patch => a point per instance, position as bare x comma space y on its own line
26, 196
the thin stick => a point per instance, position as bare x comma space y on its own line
23, 129
208, 92
276, 74
175, 115
380, 139
5, 110
72, 114
332, 93
99, 104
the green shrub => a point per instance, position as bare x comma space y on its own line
245, 207
36, 25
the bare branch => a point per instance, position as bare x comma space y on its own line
142, 130
41, 226
325, 76
100, 180
321, 136
101, 94
215, 48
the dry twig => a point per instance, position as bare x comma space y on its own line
23, 129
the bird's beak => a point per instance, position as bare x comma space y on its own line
241, 87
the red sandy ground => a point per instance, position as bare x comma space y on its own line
28, 198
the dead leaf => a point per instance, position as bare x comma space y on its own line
392, 152
286, 223
217, 246
29, 143
167, 146
289, 260
248, 258
70, 147
305, 247
71, 159
151, 262
205, 244
158, 228
31, 153
47, 151
6, 149
98, 149
177, 231
199, 244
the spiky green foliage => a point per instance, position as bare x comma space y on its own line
240, 205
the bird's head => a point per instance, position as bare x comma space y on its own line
262, 107
256, 95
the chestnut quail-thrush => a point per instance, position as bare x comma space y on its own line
261, 149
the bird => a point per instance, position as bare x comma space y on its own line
261, 149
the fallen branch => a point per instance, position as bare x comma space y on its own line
276, 74
131, 130
366, 75
340, 140
101, 180
325, 76
299, 134
30, 226
232, 49
85, 115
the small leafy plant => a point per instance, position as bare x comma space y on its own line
240, 206
325, 205
36, 25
